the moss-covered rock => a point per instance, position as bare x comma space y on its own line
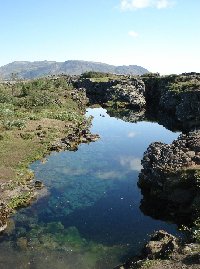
178, 95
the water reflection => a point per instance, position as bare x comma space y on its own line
90, 217
154, 115
131, 163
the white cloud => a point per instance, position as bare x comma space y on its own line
133, 34
139, 4
163, 4
132, 134
108, 175
131, 163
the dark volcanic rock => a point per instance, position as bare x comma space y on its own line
178, 95
38, 184
171, 177
126, 90
164, 251
78, 134
160, 245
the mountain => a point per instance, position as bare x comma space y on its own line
29, 70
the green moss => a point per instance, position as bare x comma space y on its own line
20, 200
54, 236
149, 263
184, 86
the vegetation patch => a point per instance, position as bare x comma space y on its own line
33, 114
99, 76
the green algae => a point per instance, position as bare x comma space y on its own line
54, 237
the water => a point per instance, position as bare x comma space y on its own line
90, 216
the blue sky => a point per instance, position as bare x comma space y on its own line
161, 35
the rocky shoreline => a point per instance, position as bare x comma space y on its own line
23, 189
24, 194
175, 95
165, 251
170, 178
171, 174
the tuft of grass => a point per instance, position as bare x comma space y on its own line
16, 123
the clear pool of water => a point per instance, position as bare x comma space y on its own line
90, 216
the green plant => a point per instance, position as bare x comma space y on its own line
34, 116
5, 97
19, 124
183, 86
20, 200
196, 230
92, 74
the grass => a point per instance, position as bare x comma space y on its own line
100, 76
184, 86
33, 114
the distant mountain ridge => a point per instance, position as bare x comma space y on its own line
29, 70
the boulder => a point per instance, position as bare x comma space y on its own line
171, 175
161, 245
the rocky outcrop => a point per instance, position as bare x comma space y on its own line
171, 176
160, 245
165, 251
178, 95
76, 135
126, 90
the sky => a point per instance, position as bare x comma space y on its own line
160, 35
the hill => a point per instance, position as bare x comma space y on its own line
29, 70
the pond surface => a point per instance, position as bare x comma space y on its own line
90, 216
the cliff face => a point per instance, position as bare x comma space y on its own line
178, 95
170, 178
128, 91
